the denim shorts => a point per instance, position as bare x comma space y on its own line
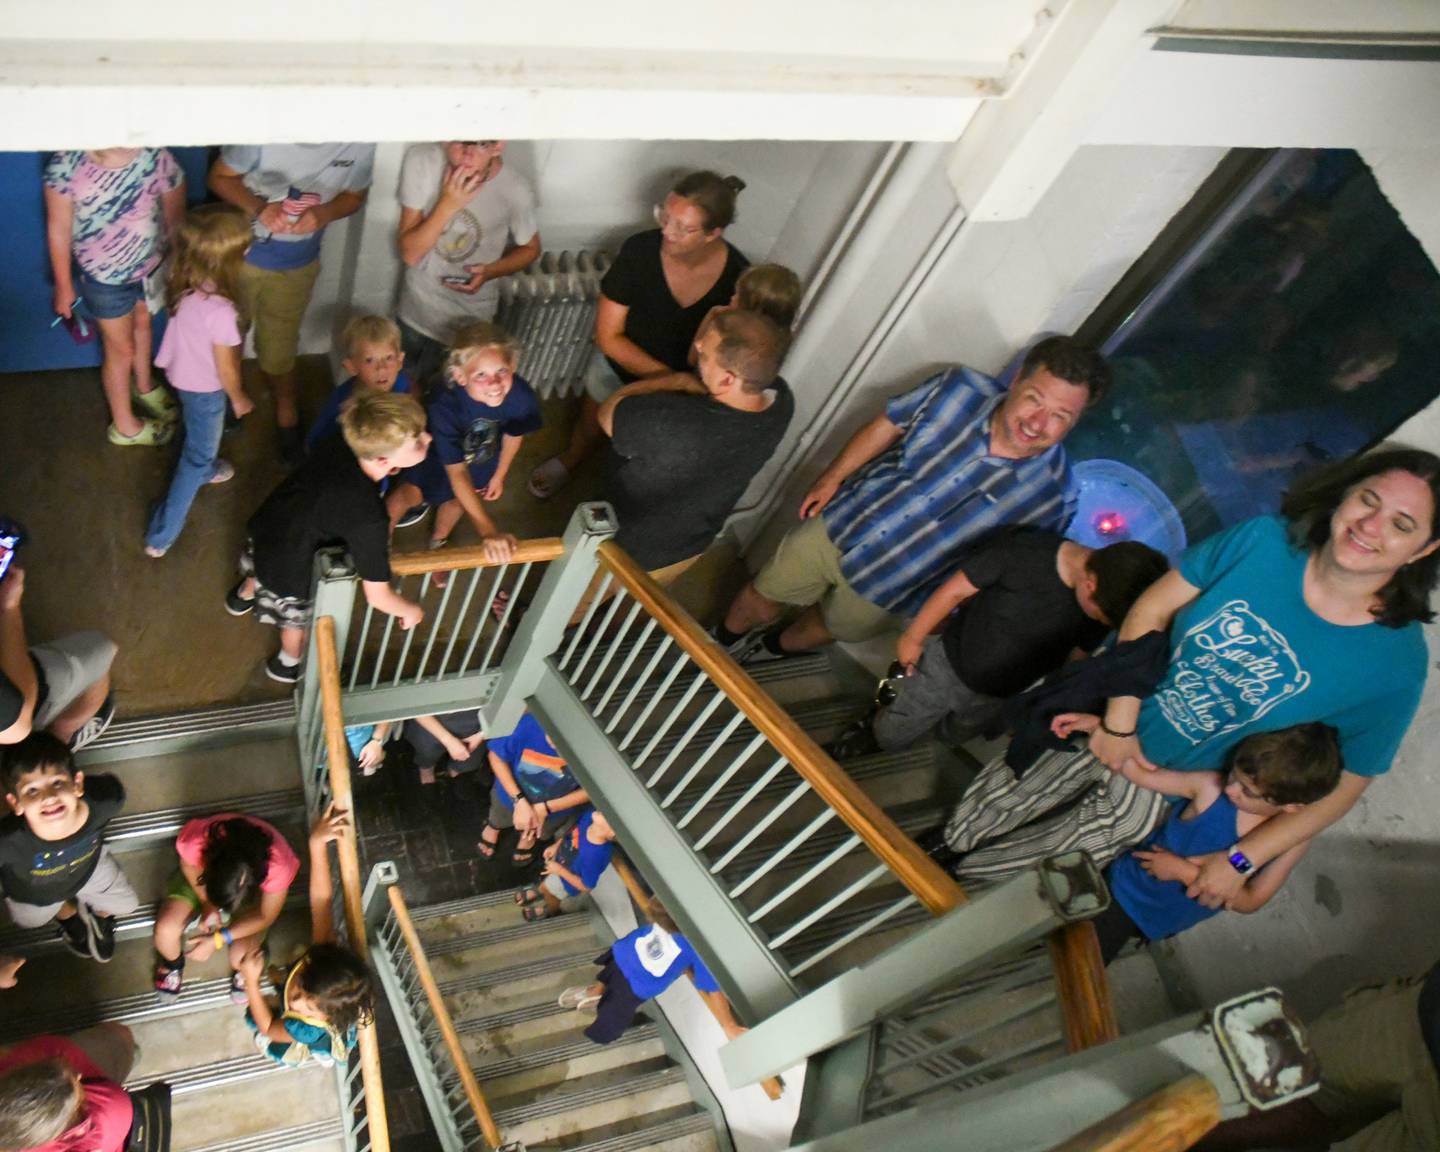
108, 301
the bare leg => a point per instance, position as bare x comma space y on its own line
446, 517
806, 632
141, 334
401, 499
750, 610
584, 436
170, 928
116, 337
287, 415
247, 588
85, 706
292, 641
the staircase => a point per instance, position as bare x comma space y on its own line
227, 1097
547, 1086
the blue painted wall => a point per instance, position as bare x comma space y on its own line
27, 342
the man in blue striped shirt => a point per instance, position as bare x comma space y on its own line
944, 464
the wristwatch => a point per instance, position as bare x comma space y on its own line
1239, 861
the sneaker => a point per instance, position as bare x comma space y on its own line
291, 445
155, 553
752, 649
152, 434
236, 604
75, 935
90, 731
932, 843
277, 669
237, 989
743, 647
102, 937
413, 515
224, 471
857, 739
580, 997
167, 983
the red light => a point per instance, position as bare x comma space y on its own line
1109, 523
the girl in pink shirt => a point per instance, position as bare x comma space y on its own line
201, 354
234, 873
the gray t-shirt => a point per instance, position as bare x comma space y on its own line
304, 175
479, 233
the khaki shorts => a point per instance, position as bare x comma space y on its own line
805, 570
1375, 1071
274, 304
72, 665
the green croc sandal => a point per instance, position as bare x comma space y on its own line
152, 434
159, 402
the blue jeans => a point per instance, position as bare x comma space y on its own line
203, 415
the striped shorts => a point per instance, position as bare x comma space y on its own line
1067, 800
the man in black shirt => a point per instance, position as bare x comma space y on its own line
331, 499
53, 864
1023, 602
683, 448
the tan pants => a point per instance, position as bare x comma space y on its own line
275, 303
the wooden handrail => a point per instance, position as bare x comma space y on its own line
1082, 987
1169, 1120
897, 851
338, 757
453, 559
448, 1034
773, 1086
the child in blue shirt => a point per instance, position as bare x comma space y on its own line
574, 864
477, 424
638, 967
534, 790
1269, 773
374, 360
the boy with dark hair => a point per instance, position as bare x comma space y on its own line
1269, 773
331, 499
53, 863
1021, 603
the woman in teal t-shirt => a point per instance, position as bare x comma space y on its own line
1312, 616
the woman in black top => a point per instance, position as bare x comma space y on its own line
662, 285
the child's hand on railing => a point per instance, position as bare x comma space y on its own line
499, 548
330, 826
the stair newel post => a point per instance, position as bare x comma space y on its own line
543, 626
332, 594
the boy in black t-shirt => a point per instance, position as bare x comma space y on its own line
1023, 602
53, 863
333, 498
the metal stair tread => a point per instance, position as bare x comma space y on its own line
217, 1074
538, 1011
464, 904
572, 1045
577, 1094
280, 1139
198, 996
490, 978
549, 926
207, 720
125, 831
670, 1129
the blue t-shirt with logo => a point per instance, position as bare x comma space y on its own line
329, 419
652, 959
1249, 656
582, 856
540, 771
464, 431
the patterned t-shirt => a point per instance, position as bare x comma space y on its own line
118, 232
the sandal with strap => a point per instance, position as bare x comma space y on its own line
485, 847
524, 853
528, 896
540, 911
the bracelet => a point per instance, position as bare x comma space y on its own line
1239, 861
218, 940
227, 935
1118, 735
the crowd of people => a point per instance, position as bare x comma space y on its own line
1245, 699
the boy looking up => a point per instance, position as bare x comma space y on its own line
331, 499
1270, 773
1023, 602
374, 362
53, 863
476, 425
574, 864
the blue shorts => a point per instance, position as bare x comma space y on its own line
108, 301
434, 482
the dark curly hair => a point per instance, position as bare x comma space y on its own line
235, 859
1312, 500
339, 984
1071, 361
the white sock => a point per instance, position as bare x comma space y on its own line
288, 660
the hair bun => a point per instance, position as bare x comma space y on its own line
735, 184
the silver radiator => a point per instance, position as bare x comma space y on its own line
550, 309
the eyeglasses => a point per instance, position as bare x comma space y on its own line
889, 688
665, 220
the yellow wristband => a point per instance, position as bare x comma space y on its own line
219, 940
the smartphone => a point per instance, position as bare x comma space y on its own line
11, 537
455, 279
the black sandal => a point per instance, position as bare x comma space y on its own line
486, 848
528, 896
524, 853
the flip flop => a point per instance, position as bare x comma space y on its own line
548, 478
